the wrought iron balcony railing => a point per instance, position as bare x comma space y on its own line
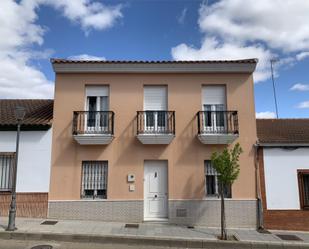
217, 122
93, 122
155, 122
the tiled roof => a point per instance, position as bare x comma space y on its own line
283, 131
39, 112
56, 60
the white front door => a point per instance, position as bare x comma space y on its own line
155, 190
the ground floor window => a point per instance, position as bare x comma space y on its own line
212, 186
6, 171
94, 179
303, 182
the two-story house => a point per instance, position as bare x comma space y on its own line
132, 140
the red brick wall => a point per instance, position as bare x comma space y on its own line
31, 205
281, 219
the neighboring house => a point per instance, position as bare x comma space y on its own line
132, 140
283, 154
33, 171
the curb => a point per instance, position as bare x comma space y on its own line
140, 240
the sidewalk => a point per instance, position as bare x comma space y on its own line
146, 233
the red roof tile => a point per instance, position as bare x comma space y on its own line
39, 112
59, 60
283, 131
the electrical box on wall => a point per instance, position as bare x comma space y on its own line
131, 177
132, 187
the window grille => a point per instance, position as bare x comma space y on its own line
6, 171
94, 179
212, 185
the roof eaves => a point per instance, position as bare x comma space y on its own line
218, 66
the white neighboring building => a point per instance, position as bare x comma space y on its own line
33, 172
283, 150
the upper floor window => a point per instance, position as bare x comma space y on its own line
97, 106
6, 170
213, 187
155, 107
94, 179
214, 107
303, 184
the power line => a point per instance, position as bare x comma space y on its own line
273, 61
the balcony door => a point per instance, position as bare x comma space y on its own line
214, 107
155, 107
97, 107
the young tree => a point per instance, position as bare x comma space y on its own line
227, 166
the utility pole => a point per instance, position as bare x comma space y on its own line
273, 61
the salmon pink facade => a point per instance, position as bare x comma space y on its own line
132, 141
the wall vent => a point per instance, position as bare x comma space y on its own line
181, 212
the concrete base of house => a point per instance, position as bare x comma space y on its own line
239, 213
30, 205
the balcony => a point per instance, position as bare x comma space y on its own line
217, 127
155, 127
93, 127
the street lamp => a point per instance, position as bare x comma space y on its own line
19, 115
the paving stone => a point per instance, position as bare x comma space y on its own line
31, 229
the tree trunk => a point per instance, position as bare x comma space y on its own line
223, 224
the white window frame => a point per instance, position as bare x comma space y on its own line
98, 92
7, 160
155, 112
94, 178
214, 101
213, 173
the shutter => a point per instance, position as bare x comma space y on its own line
213, 95
155, 98
97, 91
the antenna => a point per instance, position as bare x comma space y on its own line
272, 62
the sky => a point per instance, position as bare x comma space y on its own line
33, 31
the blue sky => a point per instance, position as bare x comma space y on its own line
158, 30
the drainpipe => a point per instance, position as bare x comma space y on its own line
260, 218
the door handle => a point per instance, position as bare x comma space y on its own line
155, 196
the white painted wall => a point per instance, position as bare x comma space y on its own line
280, 166
34, 158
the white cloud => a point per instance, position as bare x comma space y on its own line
242, 29
87, 57
20, 80
19, 31
303, 105
87, 13
182, 17
302, 56
212, 49
300, 87
280, 24
266, 114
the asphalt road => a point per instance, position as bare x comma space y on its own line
24, 244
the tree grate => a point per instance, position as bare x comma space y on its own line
131, 225
42, 247
49, 222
